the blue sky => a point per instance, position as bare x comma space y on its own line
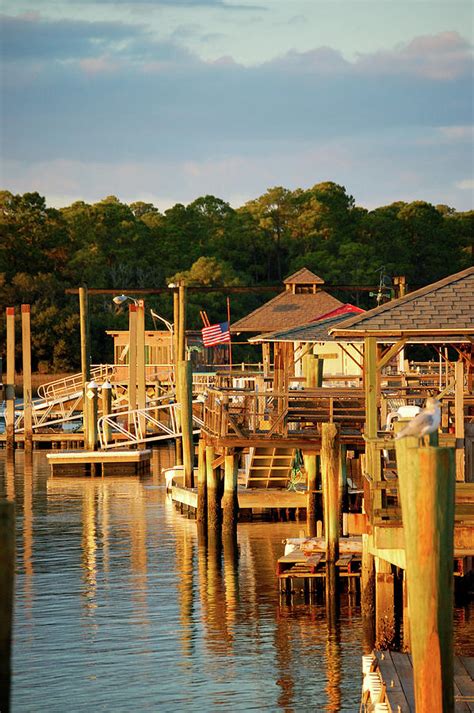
168, 100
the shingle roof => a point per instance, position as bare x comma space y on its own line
444, 305
313, 332
303, 277
285, 311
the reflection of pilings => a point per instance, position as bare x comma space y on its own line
218, 634
28, 528
333, 645
231, 575
89, 548
185, 565
201, 515
10, 475
7, 570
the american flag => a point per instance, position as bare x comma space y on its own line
216, 334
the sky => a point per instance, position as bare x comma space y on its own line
165, 101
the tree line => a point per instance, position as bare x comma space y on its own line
110, 244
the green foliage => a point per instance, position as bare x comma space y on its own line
208, 243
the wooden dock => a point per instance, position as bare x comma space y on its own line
396, 688
100, 462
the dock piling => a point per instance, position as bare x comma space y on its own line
10, 385
202, 484
27, 393
330, 463
229, 501
427, 484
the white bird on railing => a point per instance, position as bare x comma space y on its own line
425, 422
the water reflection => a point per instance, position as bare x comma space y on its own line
147, 612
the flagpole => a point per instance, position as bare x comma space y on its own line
230, 339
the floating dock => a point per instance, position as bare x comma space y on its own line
100, 462
388, 682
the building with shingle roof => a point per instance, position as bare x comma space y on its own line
303, 300
442, 312
340, 359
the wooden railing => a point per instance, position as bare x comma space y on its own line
246, 413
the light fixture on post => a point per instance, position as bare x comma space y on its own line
120, 299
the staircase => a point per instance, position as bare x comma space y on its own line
269, 467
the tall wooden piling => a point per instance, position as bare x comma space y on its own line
459, 420
384, 604
230, 504
141, 377
201, 515
10, 385
330, 460
310, 464
91, 407
182, 322
427, 484
27, 390
132, 358
107, 409
213, 505
185, 381
85, 349
367, 596
7, 572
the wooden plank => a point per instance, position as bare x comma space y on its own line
344, 561
404, 669
185, 496
468, 663
394, 689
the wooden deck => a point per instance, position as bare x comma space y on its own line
100, 462
396, 672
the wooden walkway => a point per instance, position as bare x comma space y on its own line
396, 672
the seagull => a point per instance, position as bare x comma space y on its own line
425, 422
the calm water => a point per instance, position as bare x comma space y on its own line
119, 607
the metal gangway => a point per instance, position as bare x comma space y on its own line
60, 401
157, 422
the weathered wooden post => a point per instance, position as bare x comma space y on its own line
182, 322
91, 406
85, 352
7, 573
427, 484
330, 456
141, 377
132, 360
310, 464
459, 419
27, 394
213, 505
230, 503
10, 385
201, 515
185, 381
384, 604
107, 409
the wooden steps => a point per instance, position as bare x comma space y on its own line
269, 467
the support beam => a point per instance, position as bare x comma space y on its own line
27, 389
330, 463
201, 515
107, 409
427, 483
459, 420
85, 348
229, 501
213, 505
132, 357
10, 385
391, 353
185, 381
384, 604
310, 465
